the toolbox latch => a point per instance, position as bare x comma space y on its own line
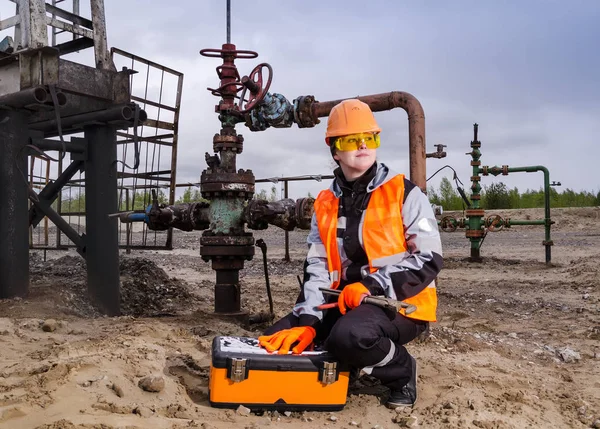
237, 370
329, 373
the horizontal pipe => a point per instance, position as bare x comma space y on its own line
122, 113
35, 95
61, 99
526, 222
127, 217
416, 126
47, 144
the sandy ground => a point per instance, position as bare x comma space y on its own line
516, 344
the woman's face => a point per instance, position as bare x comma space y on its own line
356, 153
354, 163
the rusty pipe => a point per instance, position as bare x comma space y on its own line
119, 114
416, 126
17, 100
61, 99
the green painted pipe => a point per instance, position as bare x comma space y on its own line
512, 222
475, 224
547, 221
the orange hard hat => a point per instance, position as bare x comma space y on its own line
350, 117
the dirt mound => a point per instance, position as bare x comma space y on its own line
584, 269
146, 289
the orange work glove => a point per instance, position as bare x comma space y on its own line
351, 296
283, 340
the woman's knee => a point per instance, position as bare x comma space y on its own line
348, 337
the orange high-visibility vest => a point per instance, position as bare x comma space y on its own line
383, 236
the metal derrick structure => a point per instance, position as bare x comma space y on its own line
45, 98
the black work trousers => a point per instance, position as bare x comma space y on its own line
365, 338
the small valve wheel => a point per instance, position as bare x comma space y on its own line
494, 223
258, 88
448, 224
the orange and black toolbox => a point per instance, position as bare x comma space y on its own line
242, 373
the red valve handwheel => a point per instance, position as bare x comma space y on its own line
255, 79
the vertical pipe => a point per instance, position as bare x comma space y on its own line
227, 288
33, 24
59, 199
128, 229
475, 231
547, 220
547, 242
14, 251
173, 184
102, 244
46, 217
31, 179
76, 12
287, 234
102, 55
228, 21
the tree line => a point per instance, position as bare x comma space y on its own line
137, 201
493, 196
499, 196
142, 199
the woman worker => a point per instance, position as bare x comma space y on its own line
373, 233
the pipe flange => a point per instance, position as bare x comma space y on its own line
303, 112
226, 252
474, 233
216, 175
304, 211
209, 195
218, 183
475, 212
234, 143
226, 240
228, 189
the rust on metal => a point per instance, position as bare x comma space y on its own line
475, 212
474, 233
448, 224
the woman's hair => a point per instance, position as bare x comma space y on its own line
332, 149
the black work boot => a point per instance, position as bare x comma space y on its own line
406, 396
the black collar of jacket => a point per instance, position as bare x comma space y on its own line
358, 185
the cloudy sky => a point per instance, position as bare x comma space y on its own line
527, 71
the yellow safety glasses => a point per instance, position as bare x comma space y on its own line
355, 141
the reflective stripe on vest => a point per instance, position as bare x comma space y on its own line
383, 238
